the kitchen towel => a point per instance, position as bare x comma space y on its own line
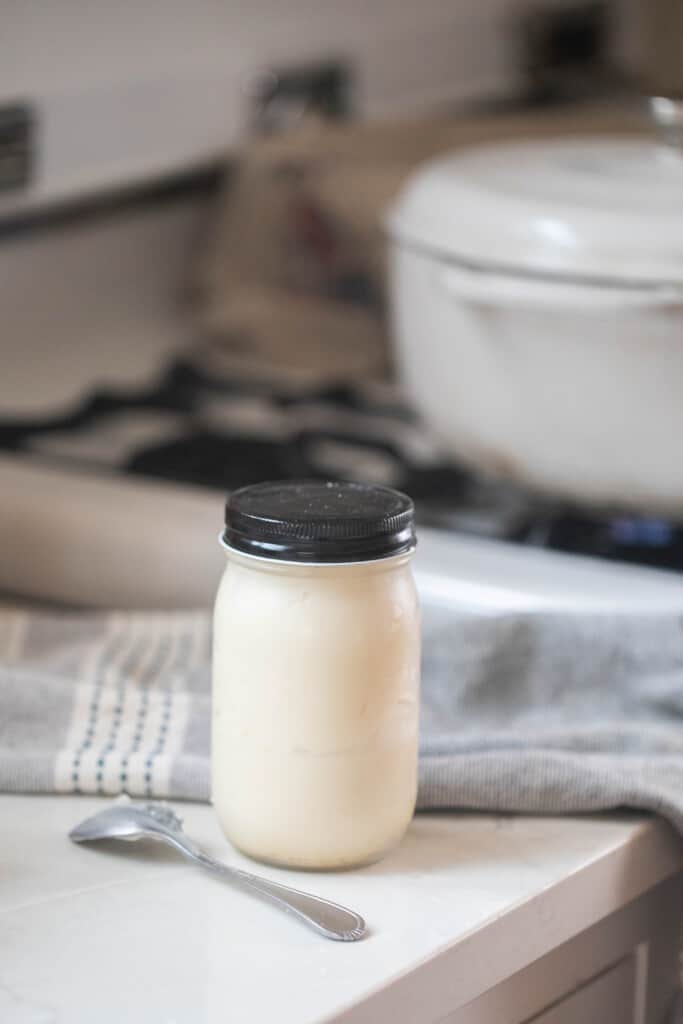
535, 712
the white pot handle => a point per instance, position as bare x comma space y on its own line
485, 288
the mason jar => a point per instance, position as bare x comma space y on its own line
316, 667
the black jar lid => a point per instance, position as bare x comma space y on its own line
313, 521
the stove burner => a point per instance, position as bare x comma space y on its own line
618, 537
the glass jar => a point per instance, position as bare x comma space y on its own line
316, 674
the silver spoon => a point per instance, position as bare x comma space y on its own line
150, 821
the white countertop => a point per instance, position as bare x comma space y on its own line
125, 933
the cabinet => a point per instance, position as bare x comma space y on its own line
607, 999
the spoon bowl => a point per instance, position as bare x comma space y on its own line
126, 821
108, 825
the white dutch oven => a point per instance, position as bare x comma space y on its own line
537, 303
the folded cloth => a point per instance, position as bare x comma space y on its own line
534, 712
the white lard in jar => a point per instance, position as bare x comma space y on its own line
316, 673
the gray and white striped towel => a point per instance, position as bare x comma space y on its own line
532, 712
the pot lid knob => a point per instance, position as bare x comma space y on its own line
667, 114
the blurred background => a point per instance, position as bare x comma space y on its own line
204, 209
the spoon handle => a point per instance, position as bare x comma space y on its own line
329, 919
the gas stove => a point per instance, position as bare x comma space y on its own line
192, 425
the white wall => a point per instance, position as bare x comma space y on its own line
125, 89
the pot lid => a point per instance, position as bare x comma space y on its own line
607, 208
